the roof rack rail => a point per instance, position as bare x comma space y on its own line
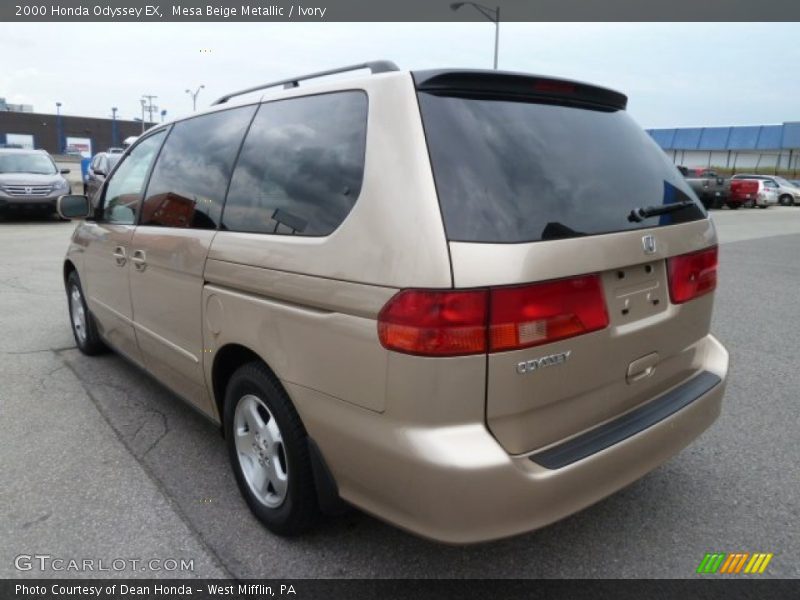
375, 66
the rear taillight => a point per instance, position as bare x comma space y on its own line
454, 323
434, 323
692, 275
541, 313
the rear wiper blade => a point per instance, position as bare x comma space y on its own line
640, 214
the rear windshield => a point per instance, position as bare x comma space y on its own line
512, 171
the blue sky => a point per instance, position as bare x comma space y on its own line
699, 74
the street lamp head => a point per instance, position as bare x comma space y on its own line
188, 91
202, 86
58, 103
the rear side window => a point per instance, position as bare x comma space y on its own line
515, 171
301, 166
188, 184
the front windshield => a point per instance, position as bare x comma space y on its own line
24, 162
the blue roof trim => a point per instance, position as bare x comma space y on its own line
714, 138
751, 137
791, 135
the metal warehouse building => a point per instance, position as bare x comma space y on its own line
737, 148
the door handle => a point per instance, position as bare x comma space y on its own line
119, 256
139, 260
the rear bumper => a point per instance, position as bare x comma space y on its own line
456, 484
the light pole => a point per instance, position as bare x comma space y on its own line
493, 14
113, 125
59, 143
148, 105
194, 95
144, 102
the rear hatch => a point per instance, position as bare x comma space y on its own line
554, 200
743, 189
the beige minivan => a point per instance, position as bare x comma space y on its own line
470, 303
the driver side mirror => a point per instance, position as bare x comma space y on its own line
73, 206
100, 172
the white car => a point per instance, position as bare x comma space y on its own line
788, 193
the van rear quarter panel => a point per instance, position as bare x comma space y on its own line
308, 305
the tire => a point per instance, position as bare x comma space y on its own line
84, 328
733, 205
749, 204
763, 206
786, 200
268, 449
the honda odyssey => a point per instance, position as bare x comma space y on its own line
393, 290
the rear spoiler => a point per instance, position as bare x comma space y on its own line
494, 84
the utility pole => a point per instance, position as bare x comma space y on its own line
147, 105
143, 101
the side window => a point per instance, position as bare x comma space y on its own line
301, 166
188, 184
124, 190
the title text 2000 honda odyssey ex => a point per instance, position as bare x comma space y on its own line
470, 303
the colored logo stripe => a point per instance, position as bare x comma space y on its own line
722, 562
758, 563
711, 563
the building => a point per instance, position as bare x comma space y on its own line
65, 134
762, 147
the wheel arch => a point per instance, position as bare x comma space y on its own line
226, 361
67, 269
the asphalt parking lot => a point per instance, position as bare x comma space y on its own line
99, 461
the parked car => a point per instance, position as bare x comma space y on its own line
390, 290
101, 165
788, 192
30, 181
752, 192
710, 187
